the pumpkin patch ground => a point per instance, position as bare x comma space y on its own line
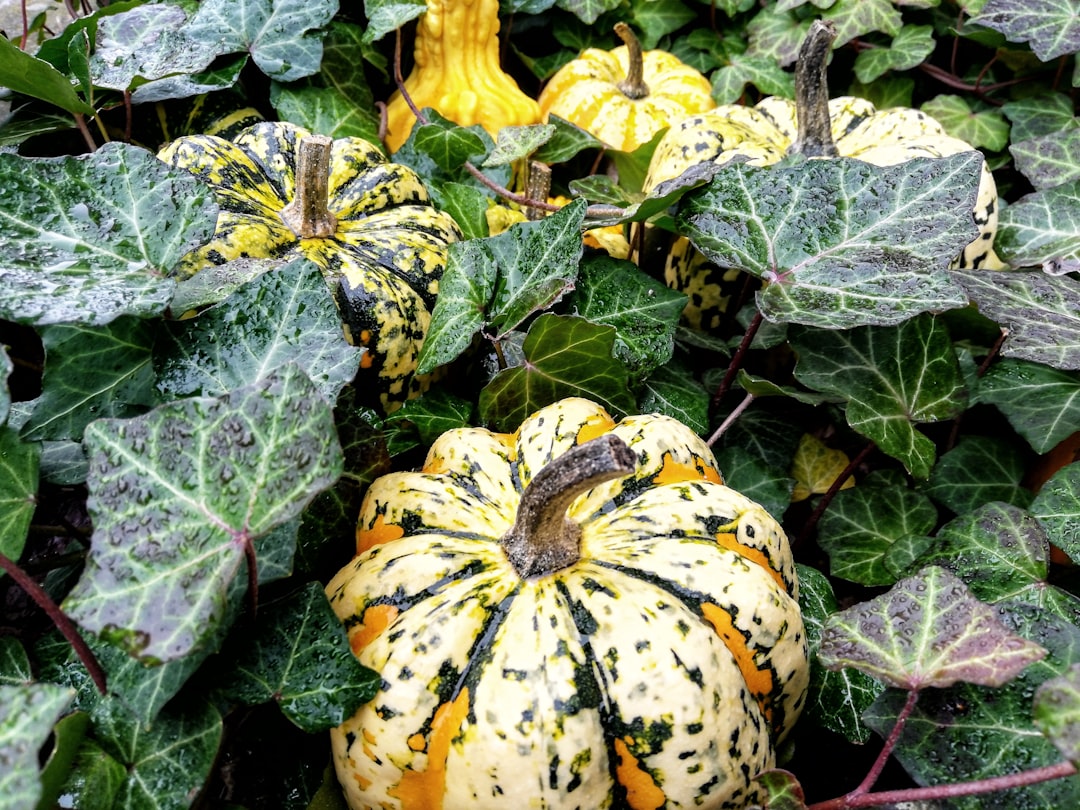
601, 405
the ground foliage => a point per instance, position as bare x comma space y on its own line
171, 451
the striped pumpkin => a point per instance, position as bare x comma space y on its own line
579, 614
378, 240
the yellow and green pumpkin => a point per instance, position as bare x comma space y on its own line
578, 614
624, 96
374, 233
766, 132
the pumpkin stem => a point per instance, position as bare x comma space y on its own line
633, 86
812, 94
537, 187
543, 539
307, 215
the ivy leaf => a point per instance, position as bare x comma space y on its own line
94, 779
1041, 403
1042, 228
6, 367
282, 36
854, 18
927, 630
324, 111
657, 19
781, 790
518, 142
776, 34
816, 467
446, 143
215, 472
978, 470
433, 414
468, 206
1041, 312
92, 373
566, 141
729, 82
1057, 712
287, 316
1040, 114
892, 377
909, 49
27, 716
87, 239
1057, 508
564, 356
837, 698
673, 390
772, 435
1049, 160
299, 656
19, 463
851, 255
861, 525
644, 312
587, 10
746, 473
22, 73
1051, 27
384, 16
987, 128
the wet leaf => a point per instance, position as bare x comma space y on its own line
979, 127
287, 316
729, 81
27, 716
853, 18
1049, 160
324, 111
95, 778
746, 473
517, 143
673, 390
1057, 508
837, 698
15, 667
19, 462
1057, 712
434, 413
68, 735
446, 143
1041, 312
893, 377
1041, 403
908, 49
385, 16
1042, 229
88, 239
870, 245
26, 74
815, 467
211, 474
1051, 27
567, 140
978, 470
1040, 114
781, 789
928, 630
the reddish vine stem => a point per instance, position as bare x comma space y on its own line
984, 366
737, 360
253, 575
890, 744
830, 493
730, 420
80, 122
59, 618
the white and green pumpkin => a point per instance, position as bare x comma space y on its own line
576, 615
367, 223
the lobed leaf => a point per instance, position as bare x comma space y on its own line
928, 630
1057, 508
384, 16
978, 470
908, 49
27, 716
1057, 712
978, 127
325, 111
1041, 403
729, 82
1051, 27
518, 142
746, 473
854, 18
1049, 160
19, 462
1042, 229
816, 467
1040, 114
446, 143
673, 390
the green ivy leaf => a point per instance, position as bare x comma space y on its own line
978, 470
909, 49
729, 82
850, 256
927, 630
325, 111
861, 525
1041, 312
564, 356
341, 70
446, 143
746, 473
1057, 508
987, 127
95, 778
892, 377
215, 472
1040, 114
468, 206
566, 141
1042, 228
287, 316
15, 669
68, 735
18, 490
517, 143
1051, 27
434, 413
22, 73
659, 18
299, 656
384, 16
92, 372
781, 790
27, 716
776, 34
1041, 403
587, 10
1049, 160
282, 36
770, 434
837, 697
87, 239
643, 311
673, 390
1057, 712
854, 18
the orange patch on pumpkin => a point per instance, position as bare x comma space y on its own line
595, 427
379, 532
755, 555
424, 790
642, 792
676, 472
376, 619
760, 681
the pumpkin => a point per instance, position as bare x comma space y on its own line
846, 126
578, 614
367, 223
623, 96
456, 71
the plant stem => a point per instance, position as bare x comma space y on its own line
633, 86
59, 618
737, 360
537, 187
543, 539
731, 417
890, 744
307, 215
830, 493
812, 93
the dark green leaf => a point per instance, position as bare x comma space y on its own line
1057, 508
223, 74
781, 790
1041, 403
928, 630
853, 18
1051, 27
1042, 229
770, 434
88, 239
15, 667
777, 34
587, 10
341, 70
325, 111
659, 18
299, 656
18, 490
468, 206
1041, 312
288, 316
729, 82
672, 390
446, 143
567, 140
1049, 160
27, 716
746, 473
22, 73
835, 238
68, 736
92, 372
214, 472
978, 127
837, 698
95, 778
978, 470
863, 522
385, 16
893, 377
434, 413
1040, 114
564, 356
518, 142
908, 49
1057, 712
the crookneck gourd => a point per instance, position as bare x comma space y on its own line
624, 96
456, 71
813, 125
368, 223
576, 615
